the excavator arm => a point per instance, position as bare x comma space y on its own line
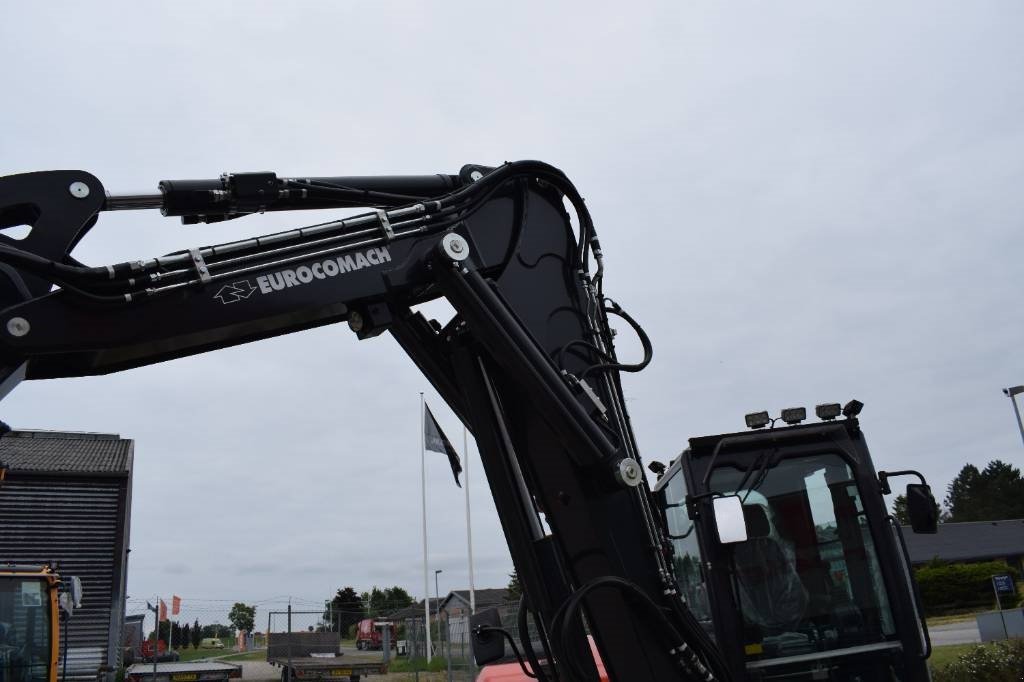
527, 362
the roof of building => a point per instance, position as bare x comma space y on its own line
969, 541
414, 611
484, 597
65, 452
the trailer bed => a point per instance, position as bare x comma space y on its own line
195, 671
352, 666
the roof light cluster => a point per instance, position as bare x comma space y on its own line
795, 415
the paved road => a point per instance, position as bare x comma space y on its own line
955, 633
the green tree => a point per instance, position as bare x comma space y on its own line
380, 602
992, 494
243, 617
186, 636
197, 634
396, 598
343, 610
215, 630
515, 590
373, 601
899, 510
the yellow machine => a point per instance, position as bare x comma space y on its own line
32, 601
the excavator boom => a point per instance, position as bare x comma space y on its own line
527, 362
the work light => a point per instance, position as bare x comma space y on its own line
852, 409
794, 415
757, 420
827, 411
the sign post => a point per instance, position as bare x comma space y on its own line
1003, 584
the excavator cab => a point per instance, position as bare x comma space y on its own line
785, 553
28, 623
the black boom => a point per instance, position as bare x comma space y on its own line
527, 362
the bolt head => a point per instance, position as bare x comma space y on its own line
455, 246
18, 326
79, 190
629, 472
355, 321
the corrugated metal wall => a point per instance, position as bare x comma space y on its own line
77, 522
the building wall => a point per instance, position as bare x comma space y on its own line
80, 522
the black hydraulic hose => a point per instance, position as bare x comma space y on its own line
645, 341
481, 629
524, 638
328, 190
690, 656
64, 672
543, 635
457, 205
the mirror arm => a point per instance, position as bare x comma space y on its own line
884, 476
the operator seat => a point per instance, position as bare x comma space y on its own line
771, 594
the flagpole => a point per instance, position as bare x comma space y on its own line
156, 634
423, 480
469, 524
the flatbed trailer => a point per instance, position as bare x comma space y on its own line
194, 671
317, 656
351, 666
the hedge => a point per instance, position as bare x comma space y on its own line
948, 587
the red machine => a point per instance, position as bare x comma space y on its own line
368, 636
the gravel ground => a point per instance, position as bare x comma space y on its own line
261, 671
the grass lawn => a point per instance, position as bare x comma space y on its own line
405, 665
944, 655
220, 655
246, 656
947, 620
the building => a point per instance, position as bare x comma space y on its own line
969, 542
456, 603
66, 498
455, 614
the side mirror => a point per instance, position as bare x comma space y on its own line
71, 598
730, 521
487, 645
921, 508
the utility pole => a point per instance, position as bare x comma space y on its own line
1011, 393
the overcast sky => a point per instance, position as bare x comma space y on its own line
801, 202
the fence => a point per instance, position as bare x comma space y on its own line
451, 649
450, 642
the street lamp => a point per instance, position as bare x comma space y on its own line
437, 595
1010, 393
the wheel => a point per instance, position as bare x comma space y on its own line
359, 644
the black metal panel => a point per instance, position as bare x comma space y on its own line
77, 523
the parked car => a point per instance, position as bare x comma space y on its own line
211, 643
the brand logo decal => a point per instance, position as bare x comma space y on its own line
229, 293
304, 274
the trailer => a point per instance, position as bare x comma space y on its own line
195, 671
318, 656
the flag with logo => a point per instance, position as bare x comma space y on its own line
435, 441
163, 611
175, 605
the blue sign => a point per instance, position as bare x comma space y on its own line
1004, 584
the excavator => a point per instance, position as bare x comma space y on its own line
34, 603
765, 555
